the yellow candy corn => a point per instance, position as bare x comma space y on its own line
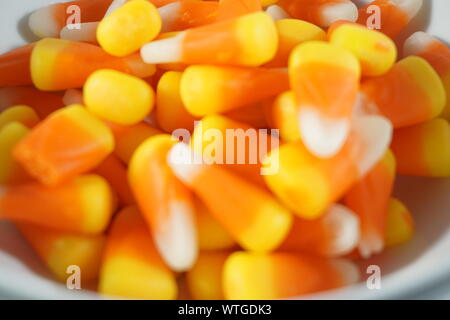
400, 224
60, 250
292, 32
118, 97
171, 114
205, 278
131, 265
129, 27
424, 149
11, 172
23, 114
375, 51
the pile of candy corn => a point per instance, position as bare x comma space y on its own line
92, 174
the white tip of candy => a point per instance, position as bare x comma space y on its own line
322, 136
169, 14
371, 243
85, 32
376, 134
177, 240
114, 6
182, 162
73, 96
409, 7
343, 226
163, 51
348, 271
339, 11
43, 24
277, 12
417, 43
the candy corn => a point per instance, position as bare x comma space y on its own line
424, 149
245, 210
323, 12
205, 278
212, 89
362, 41
115, 172
171, 114
82, 205
15, 67
67, 143
131, 265
165, 203
292, 32
87, 32
229, 9
59, 250
211, 234
280, 275
118, 97
250, 40
400, 224
11, 172
410, 93
128, 138
325, 81
181, 15
369, 199
48, 21
53, 64
43, 103
129, 27
437, 54
389, 16
283, 116
23, 114
308, 185
334, 234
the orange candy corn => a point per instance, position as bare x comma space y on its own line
250, 40
424, 149
212, 89
69, 142
334, 234
128, 138
171, 114
400, 224
82, 205
258, 276
369, 198
181, 15
308, 185
437, 54
43, 103
205, 278
389, 16
245, 210
320, 12
211, 234
15, 67
114, 171
131, 265
165, 203
49, 20
22, 114
410, 93
229, 9
11, 172
52, 64
325, 82
59, 250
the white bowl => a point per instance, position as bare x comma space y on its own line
406, 270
